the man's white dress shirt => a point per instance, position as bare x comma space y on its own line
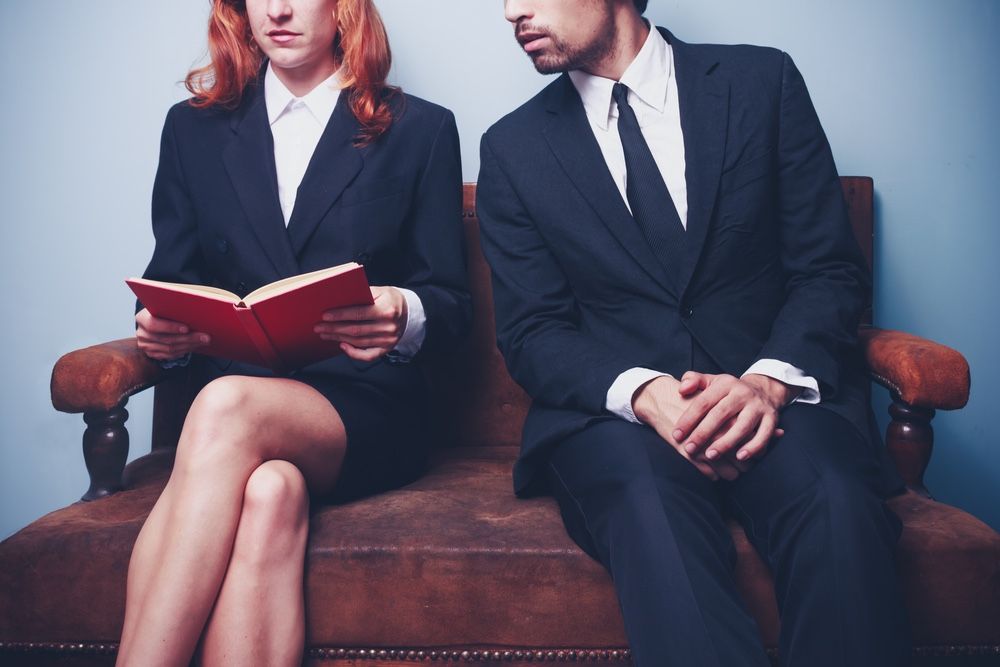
297, 123
653, 95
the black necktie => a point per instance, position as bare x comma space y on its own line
648, 197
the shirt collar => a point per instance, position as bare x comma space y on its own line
647, 77
320, 101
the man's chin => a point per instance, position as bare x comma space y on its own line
549, 65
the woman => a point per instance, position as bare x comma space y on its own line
292, 155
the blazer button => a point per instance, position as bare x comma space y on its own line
687, 312
222, 245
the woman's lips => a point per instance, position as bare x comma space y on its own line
282, 36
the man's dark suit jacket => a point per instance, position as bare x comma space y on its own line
393, 206
770, 268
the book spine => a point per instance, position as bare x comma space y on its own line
259, 339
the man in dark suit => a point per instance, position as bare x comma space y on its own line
678, 289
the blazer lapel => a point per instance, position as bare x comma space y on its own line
249, 160
572, 140
703, 96
334, 164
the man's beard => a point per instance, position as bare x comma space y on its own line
561, 57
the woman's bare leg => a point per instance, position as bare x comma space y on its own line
259, 618
180, 559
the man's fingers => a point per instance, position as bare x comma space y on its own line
727, 470
758, 443
711, 424
691, 383
715, 390
740, 430
695, 412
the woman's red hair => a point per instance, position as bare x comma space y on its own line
361, 49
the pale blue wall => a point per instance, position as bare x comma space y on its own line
908, 91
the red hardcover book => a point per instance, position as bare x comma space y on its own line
270, 327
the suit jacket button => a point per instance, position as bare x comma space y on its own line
687, 312
222, 245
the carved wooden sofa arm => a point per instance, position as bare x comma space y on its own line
922, 376
98, 381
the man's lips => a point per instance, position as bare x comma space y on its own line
532, 41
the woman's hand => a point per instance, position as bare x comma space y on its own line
366, 333
165, 339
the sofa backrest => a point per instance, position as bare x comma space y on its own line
475, 401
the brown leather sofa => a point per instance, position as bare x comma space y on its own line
453, 568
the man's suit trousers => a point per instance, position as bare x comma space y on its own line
811, 507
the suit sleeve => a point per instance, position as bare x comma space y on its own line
435, 267
827, 282
177, 255
537, 317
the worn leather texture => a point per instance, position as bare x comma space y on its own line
921, 372
456, 558
102, 376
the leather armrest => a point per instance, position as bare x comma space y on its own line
101, 377
921, 372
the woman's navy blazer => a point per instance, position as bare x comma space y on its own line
393, 206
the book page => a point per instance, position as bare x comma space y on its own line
201, 290
289, 284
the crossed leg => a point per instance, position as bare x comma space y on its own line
228, 532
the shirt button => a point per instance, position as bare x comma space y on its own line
687, 312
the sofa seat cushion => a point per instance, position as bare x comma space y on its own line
455, 557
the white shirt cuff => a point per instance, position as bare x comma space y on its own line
619, 399
790, 375
416, 321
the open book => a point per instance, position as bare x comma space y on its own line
272, 326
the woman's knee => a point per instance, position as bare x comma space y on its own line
221, 418
223, 399
275, 504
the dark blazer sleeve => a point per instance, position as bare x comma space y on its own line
177, 256
536, 314
827, 281
435, 267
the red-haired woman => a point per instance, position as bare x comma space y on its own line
293, 155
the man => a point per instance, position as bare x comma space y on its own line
678, 289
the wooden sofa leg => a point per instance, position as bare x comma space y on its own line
910, 439
105, 450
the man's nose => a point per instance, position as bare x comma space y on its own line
515, 10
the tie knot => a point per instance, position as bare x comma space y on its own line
619, 93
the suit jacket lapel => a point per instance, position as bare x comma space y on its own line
249, 160
334, 164
572, 140
703, 96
